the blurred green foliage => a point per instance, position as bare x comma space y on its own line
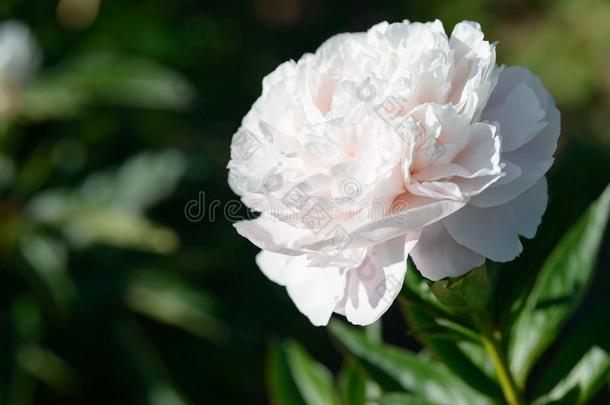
109, 294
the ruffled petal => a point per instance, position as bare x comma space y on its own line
494, 231
273, 265
534, 157
437, 255
374, 285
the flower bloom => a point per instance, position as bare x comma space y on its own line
396, 142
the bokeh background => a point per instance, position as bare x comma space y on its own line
123, 117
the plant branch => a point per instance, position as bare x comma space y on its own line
492, 346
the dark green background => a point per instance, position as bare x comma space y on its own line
113, 354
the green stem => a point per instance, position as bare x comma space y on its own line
493, 347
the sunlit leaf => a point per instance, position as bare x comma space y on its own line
425, 379
105, 78
591, 373
109, 207
559, 288
314, 380
48, 259
142, 181
449, 351
48, 367
400, 399
571, 354
167, 299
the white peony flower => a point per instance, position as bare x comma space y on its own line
395, 142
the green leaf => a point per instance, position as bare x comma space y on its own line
559, 288
417, 293
314, 381
449, 352
572, 351
104, 78
168, 299
478, 356
47, 367
581, 384
48, 259
352, 385
428, 380
282, 388
400, 399
142, 356
466, 293
109, 207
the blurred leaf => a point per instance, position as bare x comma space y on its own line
352, 385
108, 208
281, 386
108, 79
7, 171
450, 353
118, 229
400, 399
373, 331
141, 182
314, 381
49, 259
427, 380
559, 288
167, 299
47, 367
147, 362
164, 394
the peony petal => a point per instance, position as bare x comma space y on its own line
375, 284
437, 255
418, 212
273, 265
465, 36
270, 234
315, 291
493, 232
525, 212
520, 102
474, 73
533, 158
482, 231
